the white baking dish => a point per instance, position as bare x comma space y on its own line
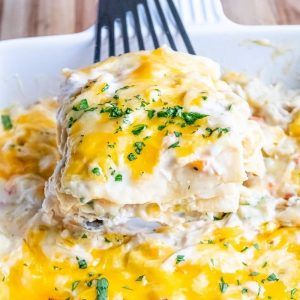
30, 68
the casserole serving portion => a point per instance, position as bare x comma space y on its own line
156, 135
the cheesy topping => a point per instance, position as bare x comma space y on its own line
156, 127
224, 265
28, 140
230, 230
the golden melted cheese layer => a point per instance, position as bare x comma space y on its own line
151, 127
224, 266
28, 140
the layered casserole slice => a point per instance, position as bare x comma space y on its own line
156, 135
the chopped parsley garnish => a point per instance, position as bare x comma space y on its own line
256, 246
244, 249
119, 129
118, 177
111, 145
191, 117
244, 291
96, 171
102, 289
223, 286
144, 103
150, 113
128, 110
105, 88
140, 278
229, 107
161, 127
253, 273
82, 264
177, 133
89, 283
179, 259
138, 129
71, 122
6, 122
220, 131
293, 292
204, 98
82, 105
106, 240
170, 112
272, 277
138, 147
131, 157
114, 111
124, 88
127, 288
74, 285
174, 145
264, 264
259, 290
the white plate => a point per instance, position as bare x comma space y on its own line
30, 68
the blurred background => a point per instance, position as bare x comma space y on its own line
22, 18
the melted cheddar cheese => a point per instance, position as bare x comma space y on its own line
28, 142
135, 127
224, 266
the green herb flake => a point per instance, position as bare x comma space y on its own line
177, 133
191, 117
179, 259
138, 147
74, 285
127, 288
264, 264
244, 290
228, 108
118, 177
106, 240
82, 105
161, 127
140, 278
96, 171
71, 122
170, 112
253, 273
150, 113
84, 236
128, 111
82, 264
245, 249
105, 88
272, 277
138, 129
89, 283
174, 145
102, 289
292, 293
256, 246
6, 122
131, 156
223, 286
259, 290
